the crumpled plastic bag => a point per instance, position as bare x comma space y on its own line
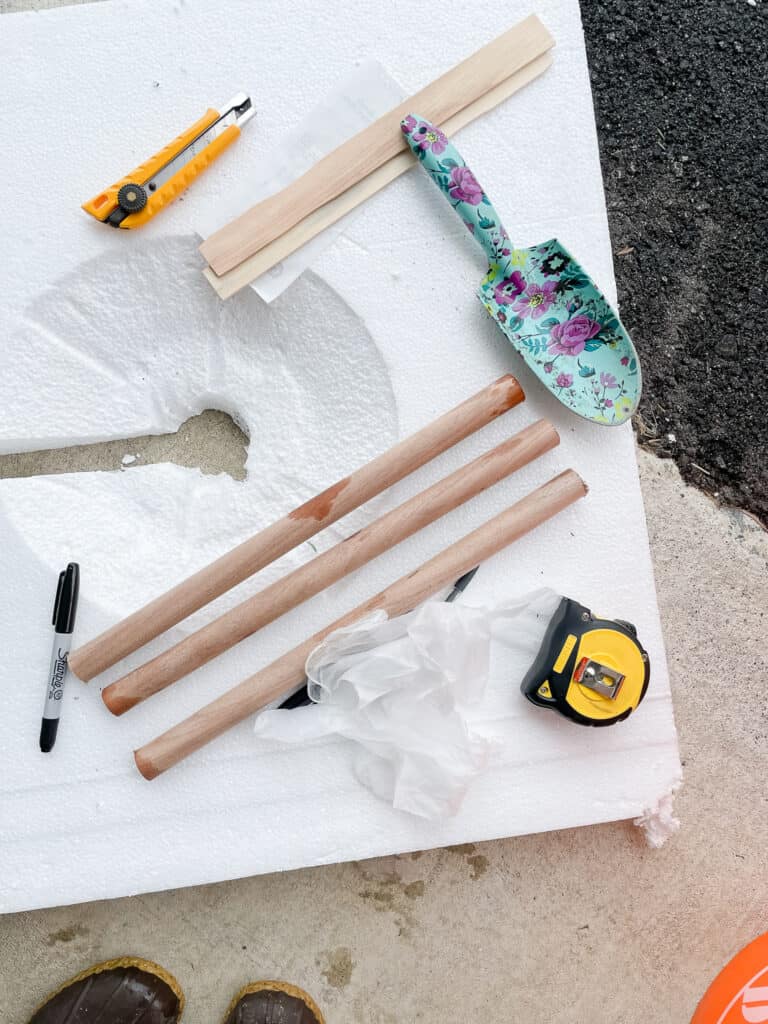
402, 689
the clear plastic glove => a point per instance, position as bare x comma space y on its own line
403, 688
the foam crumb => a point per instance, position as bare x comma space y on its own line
659, 822
128, 460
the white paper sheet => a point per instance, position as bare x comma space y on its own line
365, 93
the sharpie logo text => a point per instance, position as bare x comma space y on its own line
59, 670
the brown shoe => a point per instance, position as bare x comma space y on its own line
117, 991
272, 1002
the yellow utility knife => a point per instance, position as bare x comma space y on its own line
138, 196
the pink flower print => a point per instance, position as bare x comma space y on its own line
408, 124
429, 137
549, 367
608, 380
536, 299
564, 380
624, 360
509, 288
463, 186
570, 337
608, 403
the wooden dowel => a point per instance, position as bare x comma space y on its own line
287, 672
304, 522
332, 565
325, 216
374, 145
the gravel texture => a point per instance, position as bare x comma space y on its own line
681, 94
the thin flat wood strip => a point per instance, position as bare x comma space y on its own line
328, 568
300, 525
374, 145
286, 673
326, 216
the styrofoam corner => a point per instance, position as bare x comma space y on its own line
659, 822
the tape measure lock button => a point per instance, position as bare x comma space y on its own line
600, 678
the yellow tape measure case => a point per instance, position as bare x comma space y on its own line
594, 671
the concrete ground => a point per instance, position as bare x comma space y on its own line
582, 925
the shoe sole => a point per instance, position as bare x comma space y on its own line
148, 966
276, 986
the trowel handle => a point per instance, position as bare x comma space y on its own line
458, 184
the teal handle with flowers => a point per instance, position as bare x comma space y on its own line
546, 304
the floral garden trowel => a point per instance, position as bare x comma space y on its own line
545, 303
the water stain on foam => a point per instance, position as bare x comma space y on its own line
75, 931
339, 966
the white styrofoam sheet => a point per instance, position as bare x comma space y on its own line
112, 334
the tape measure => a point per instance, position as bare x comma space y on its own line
594, 671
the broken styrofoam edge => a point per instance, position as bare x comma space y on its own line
659, 822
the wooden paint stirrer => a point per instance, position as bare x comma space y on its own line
332, 565
373, 146
298, 526
305, 230
287, 672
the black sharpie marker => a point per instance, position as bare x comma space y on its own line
64, 611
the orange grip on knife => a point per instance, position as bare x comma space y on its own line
102, 205
182, 179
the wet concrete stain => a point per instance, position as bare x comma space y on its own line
76, 931
414, 890
340, 965
391, 894
479, 865
462, 848
476, 861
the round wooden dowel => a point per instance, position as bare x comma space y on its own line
287, 672
265, 547
298, 586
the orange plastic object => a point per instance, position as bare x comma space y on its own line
739, 994
105, 202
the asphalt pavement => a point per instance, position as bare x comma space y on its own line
681, 94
